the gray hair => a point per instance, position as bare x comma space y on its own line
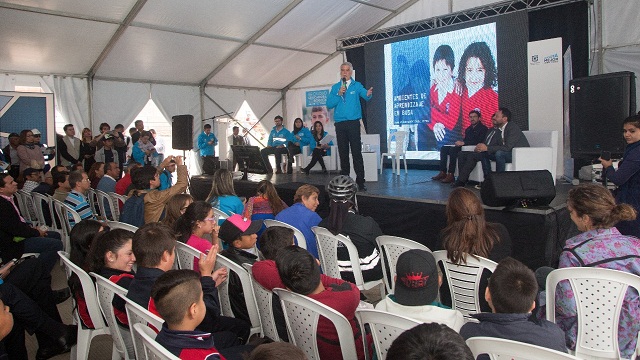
348, 64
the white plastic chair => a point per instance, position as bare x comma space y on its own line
152, 350
302, 313
264, 301
391, 247
104, 201
88, 288
300, 240
185, 255
38, 205
116, 199
96, 207
219, 214
464, 281
498, 348
64, 211
328, 253
30, 211
22, 205
136, 314
599, 295
122, 343
247, 289
385, 327
396, 147
121, 225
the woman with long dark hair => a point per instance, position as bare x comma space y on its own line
266, 204
96, 173
197, 222
222, 195
301, 138
29, 152
319, 150
176, 206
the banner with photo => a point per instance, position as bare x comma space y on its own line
315, 109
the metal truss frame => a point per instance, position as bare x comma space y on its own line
482, 12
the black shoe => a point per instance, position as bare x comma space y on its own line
278, 171
362, 187
64, 344
60, 296
290, 171
457, 184
305, 171
324, 171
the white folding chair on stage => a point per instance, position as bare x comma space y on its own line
300, 240
93, 308
107, 290
385, 327
302, 313
121, 225
152, 350
464, 281
497, 349
264, 301
136, 314
396, 147
391, 247
599, 295
247, 289
328, 253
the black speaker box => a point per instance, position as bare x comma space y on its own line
597, 107
182, 132
535, 188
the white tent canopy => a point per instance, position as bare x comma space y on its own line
105, 59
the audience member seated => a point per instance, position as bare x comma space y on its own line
154, 247
362, 230
166, 175
594, 211
82, 237
46, 186
416, 290
266, 204
108, 184
222, 196
77, 199
179, 300
17, 236
429, 342
302, 215
61, 187
276, 351
300, 273
239, 234
511, 295
111, 256
95, 174
265, 272
32, 179
146, 181
196, 223
176, 206
53, 336
468, 233
122, 185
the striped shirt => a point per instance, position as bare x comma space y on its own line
80, 204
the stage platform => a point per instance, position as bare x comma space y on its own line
413, 206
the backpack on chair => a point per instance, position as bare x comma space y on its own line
133, 210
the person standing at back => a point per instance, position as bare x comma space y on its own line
344, 97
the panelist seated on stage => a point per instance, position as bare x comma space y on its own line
473, 135
277, 145
497, 146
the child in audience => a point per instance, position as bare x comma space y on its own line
277, 351
240, 235
427, 342
511, 294
179, 300
154, 247
176, 206
222, 195
416, 289
197, 222
300, 273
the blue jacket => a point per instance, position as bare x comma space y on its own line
165, 180
305, 137
298, 216
314, 144
347, 107
204, 147
283, 133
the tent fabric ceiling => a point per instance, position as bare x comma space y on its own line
261, 44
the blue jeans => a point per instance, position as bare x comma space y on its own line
500, 157
47, 247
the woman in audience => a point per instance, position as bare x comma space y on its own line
222, 195
87, 151
595, 212
469, 234
175, 207
266, 204
29, 152
627, 177
302, 215
301, 138
196, 222
361, 230
81, 237
96, 173
319, 150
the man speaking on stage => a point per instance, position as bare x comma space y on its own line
344, 97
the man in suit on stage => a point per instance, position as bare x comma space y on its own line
500, 140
